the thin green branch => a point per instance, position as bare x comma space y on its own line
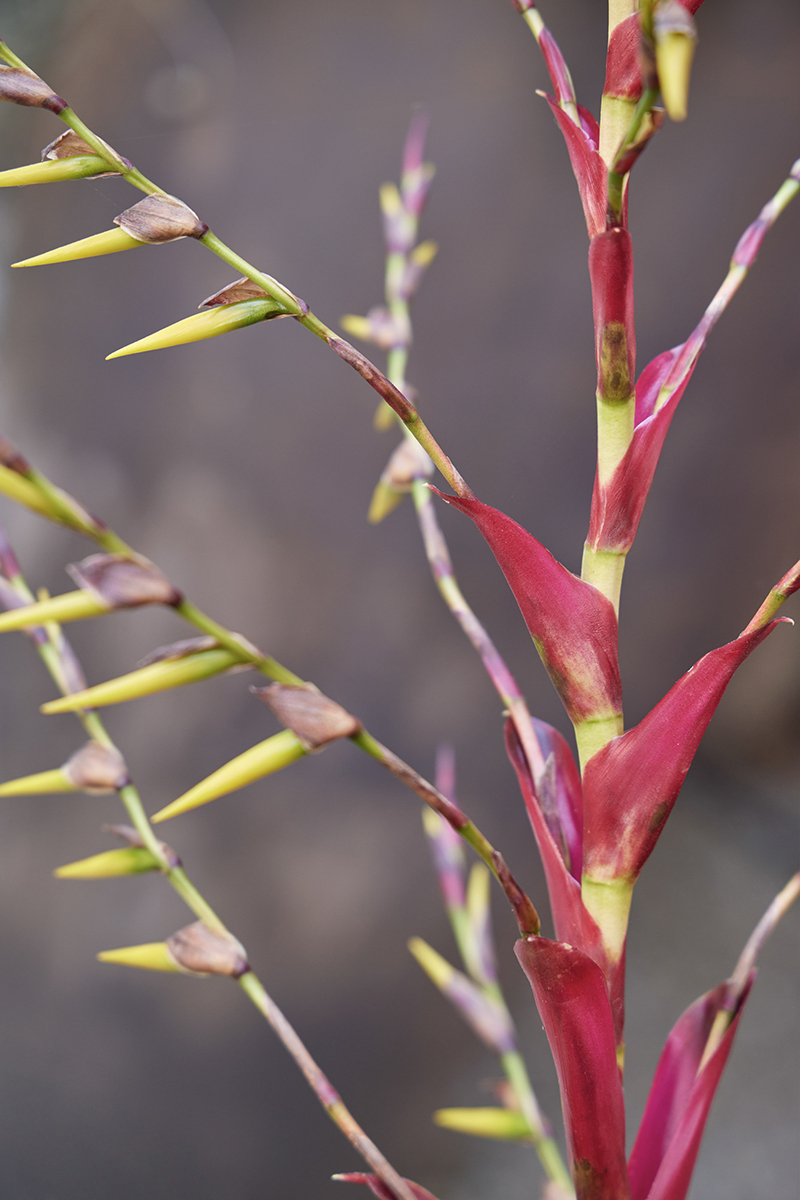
176, 876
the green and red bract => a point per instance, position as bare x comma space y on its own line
668, 1141
618, 504
571, 996
630, 786
572, 624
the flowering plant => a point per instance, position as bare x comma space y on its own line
596, 821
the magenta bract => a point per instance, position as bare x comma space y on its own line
588, 167
571, 996
572, 624
573, 924
668, 1141
618, 505
623, 62
630, 786
379, 1188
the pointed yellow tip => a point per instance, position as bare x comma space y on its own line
153, 956
438, 969
502, 1123
202, 325
129, 860
266, 758
385, 500
110, 241
42, 784
674, 55
71, 606
424, 254
54, 170
359, 327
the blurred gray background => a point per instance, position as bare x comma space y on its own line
244, 466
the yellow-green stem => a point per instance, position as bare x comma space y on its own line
604, 570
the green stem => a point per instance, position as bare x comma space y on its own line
545, 1144
325, 1092
238, 645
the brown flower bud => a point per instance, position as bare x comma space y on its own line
20, 86
160, 218
121, 582
72, 145
128, 834
244, 289
10, 457
240, 289
181, 649
312, 717
96, 769
201, 951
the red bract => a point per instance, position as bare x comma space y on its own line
570, 993
679, 1101
630, 786
572, 624
617, 505
623, 62
573, 924
379, 1188
588, 167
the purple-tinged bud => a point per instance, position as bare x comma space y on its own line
313, 718
245, 289
72, 145
134, 839
97, 769
121, 582
202, 951
160, 218
378, 327
22, 86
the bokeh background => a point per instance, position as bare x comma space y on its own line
244, 466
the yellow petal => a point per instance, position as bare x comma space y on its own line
42, 784
128, 860
502, 1123
158, 677
203, 325
153, 956
108, 242
264, 759
71, 606
435, 967
54, 170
